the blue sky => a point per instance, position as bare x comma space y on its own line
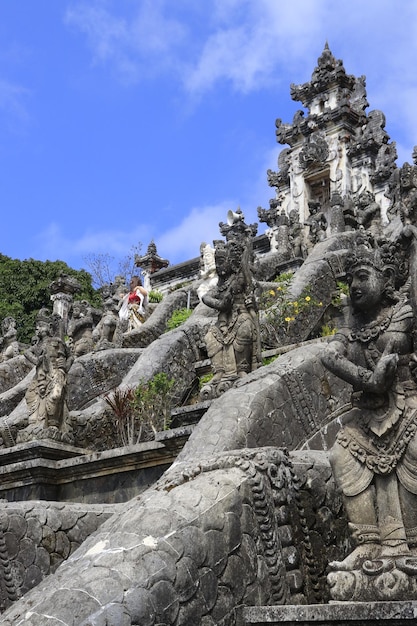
123, 121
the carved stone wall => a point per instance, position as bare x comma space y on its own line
264, 407
36, 537
13, 371
244, 527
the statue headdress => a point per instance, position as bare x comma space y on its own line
383, 255
53, 319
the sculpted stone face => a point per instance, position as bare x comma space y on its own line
76, 312
221, 265
42, 329
366, 288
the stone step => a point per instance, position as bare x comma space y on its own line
332, 614
190, 414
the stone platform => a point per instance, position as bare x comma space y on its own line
333, 614
54, 471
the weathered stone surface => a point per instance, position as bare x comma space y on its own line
239, 419
34, 529
62, 544
165, 601
72, 606
12, 544
33, 576
116, 614
27, 552
186, 579
208, 587
12, 372
17, 525
139, 606
195, 544
359, 613
215, 568
43, 560
97, 373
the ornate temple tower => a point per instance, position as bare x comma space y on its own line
336, 150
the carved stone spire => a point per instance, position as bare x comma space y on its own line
335, 146
151, 262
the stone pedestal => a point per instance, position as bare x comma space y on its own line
393, 579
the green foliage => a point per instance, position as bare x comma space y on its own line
143, 411
182, 285
282, 313
153, 402
155, 296
342, 289
178, 317
276, 296
269, 359
24, 289
327, 330
121, 402
285, 278
204, 380
289, 310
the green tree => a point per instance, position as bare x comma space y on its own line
24, 289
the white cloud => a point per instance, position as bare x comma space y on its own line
250, 44
54, 242
177, 244
251, 39
12, 100
127, 44
202, 224
239, 41
107, 36
247, 43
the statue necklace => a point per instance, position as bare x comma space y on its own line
368, 332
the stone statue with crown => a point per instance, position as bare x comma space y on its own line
374, 459
46, 394
233, 341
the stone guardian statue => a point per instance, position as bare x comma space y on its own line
233, 341
374, 459
46, 394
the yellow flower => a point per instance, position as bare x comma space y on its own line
320, 303
272, 292
307, 298
279, 288
288, 319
